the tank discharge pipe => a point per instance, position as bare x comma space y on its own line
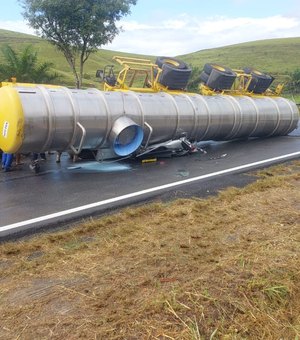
40, 118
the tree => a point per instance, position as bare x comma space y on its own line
25, 66
76, 27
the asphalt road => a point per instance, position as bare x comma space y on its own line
67, 192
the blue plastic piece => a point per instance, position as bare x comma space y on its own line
127, 148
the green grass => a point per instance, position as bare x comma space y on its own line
294, 97
265, 55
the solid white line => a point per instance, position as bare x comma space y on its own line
143, 192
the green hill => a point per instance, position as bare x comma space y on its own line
47, 52
276, 56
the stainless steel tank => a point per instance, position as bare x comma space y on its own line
40, 118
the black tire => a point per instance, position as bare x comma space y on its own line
174, 78
175, 63
220, 80
209, 67
260, 82
204, 77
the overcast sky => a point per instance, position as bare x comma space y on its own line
175, 27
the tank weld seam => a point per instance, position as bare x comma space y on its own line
108, 118
195, 115
75, 117
140, 106
278, 117
208, 116
292, 112
177, 113
235, 118
257, 115
142, 115
50, 117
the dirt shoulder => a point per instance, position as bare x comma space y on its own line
223, 267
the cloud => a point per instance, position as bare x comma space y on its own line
17, 26
186, 34
133, 26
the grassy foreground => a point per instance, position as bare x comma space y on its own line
226, 267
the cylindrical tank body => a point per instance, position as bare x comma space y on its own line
40, 118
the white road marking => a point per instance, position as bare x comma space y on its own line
143, 192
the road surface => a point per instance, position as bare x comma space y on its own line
67, 192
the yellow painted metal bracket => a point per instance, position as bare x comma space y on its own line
240, 87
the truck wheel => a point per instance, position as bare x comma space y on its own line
209, 67
175, 73
175, 63
260, 81
173, 78
221, 78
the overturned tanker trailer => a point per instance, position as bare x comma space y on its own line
127, 121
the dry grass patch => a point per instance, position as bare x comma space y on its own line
224, 267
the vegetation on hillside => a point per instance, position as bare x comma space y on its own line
225, 267
294, 83
25, 67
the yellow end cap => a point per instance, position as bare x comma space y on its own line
11, 120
